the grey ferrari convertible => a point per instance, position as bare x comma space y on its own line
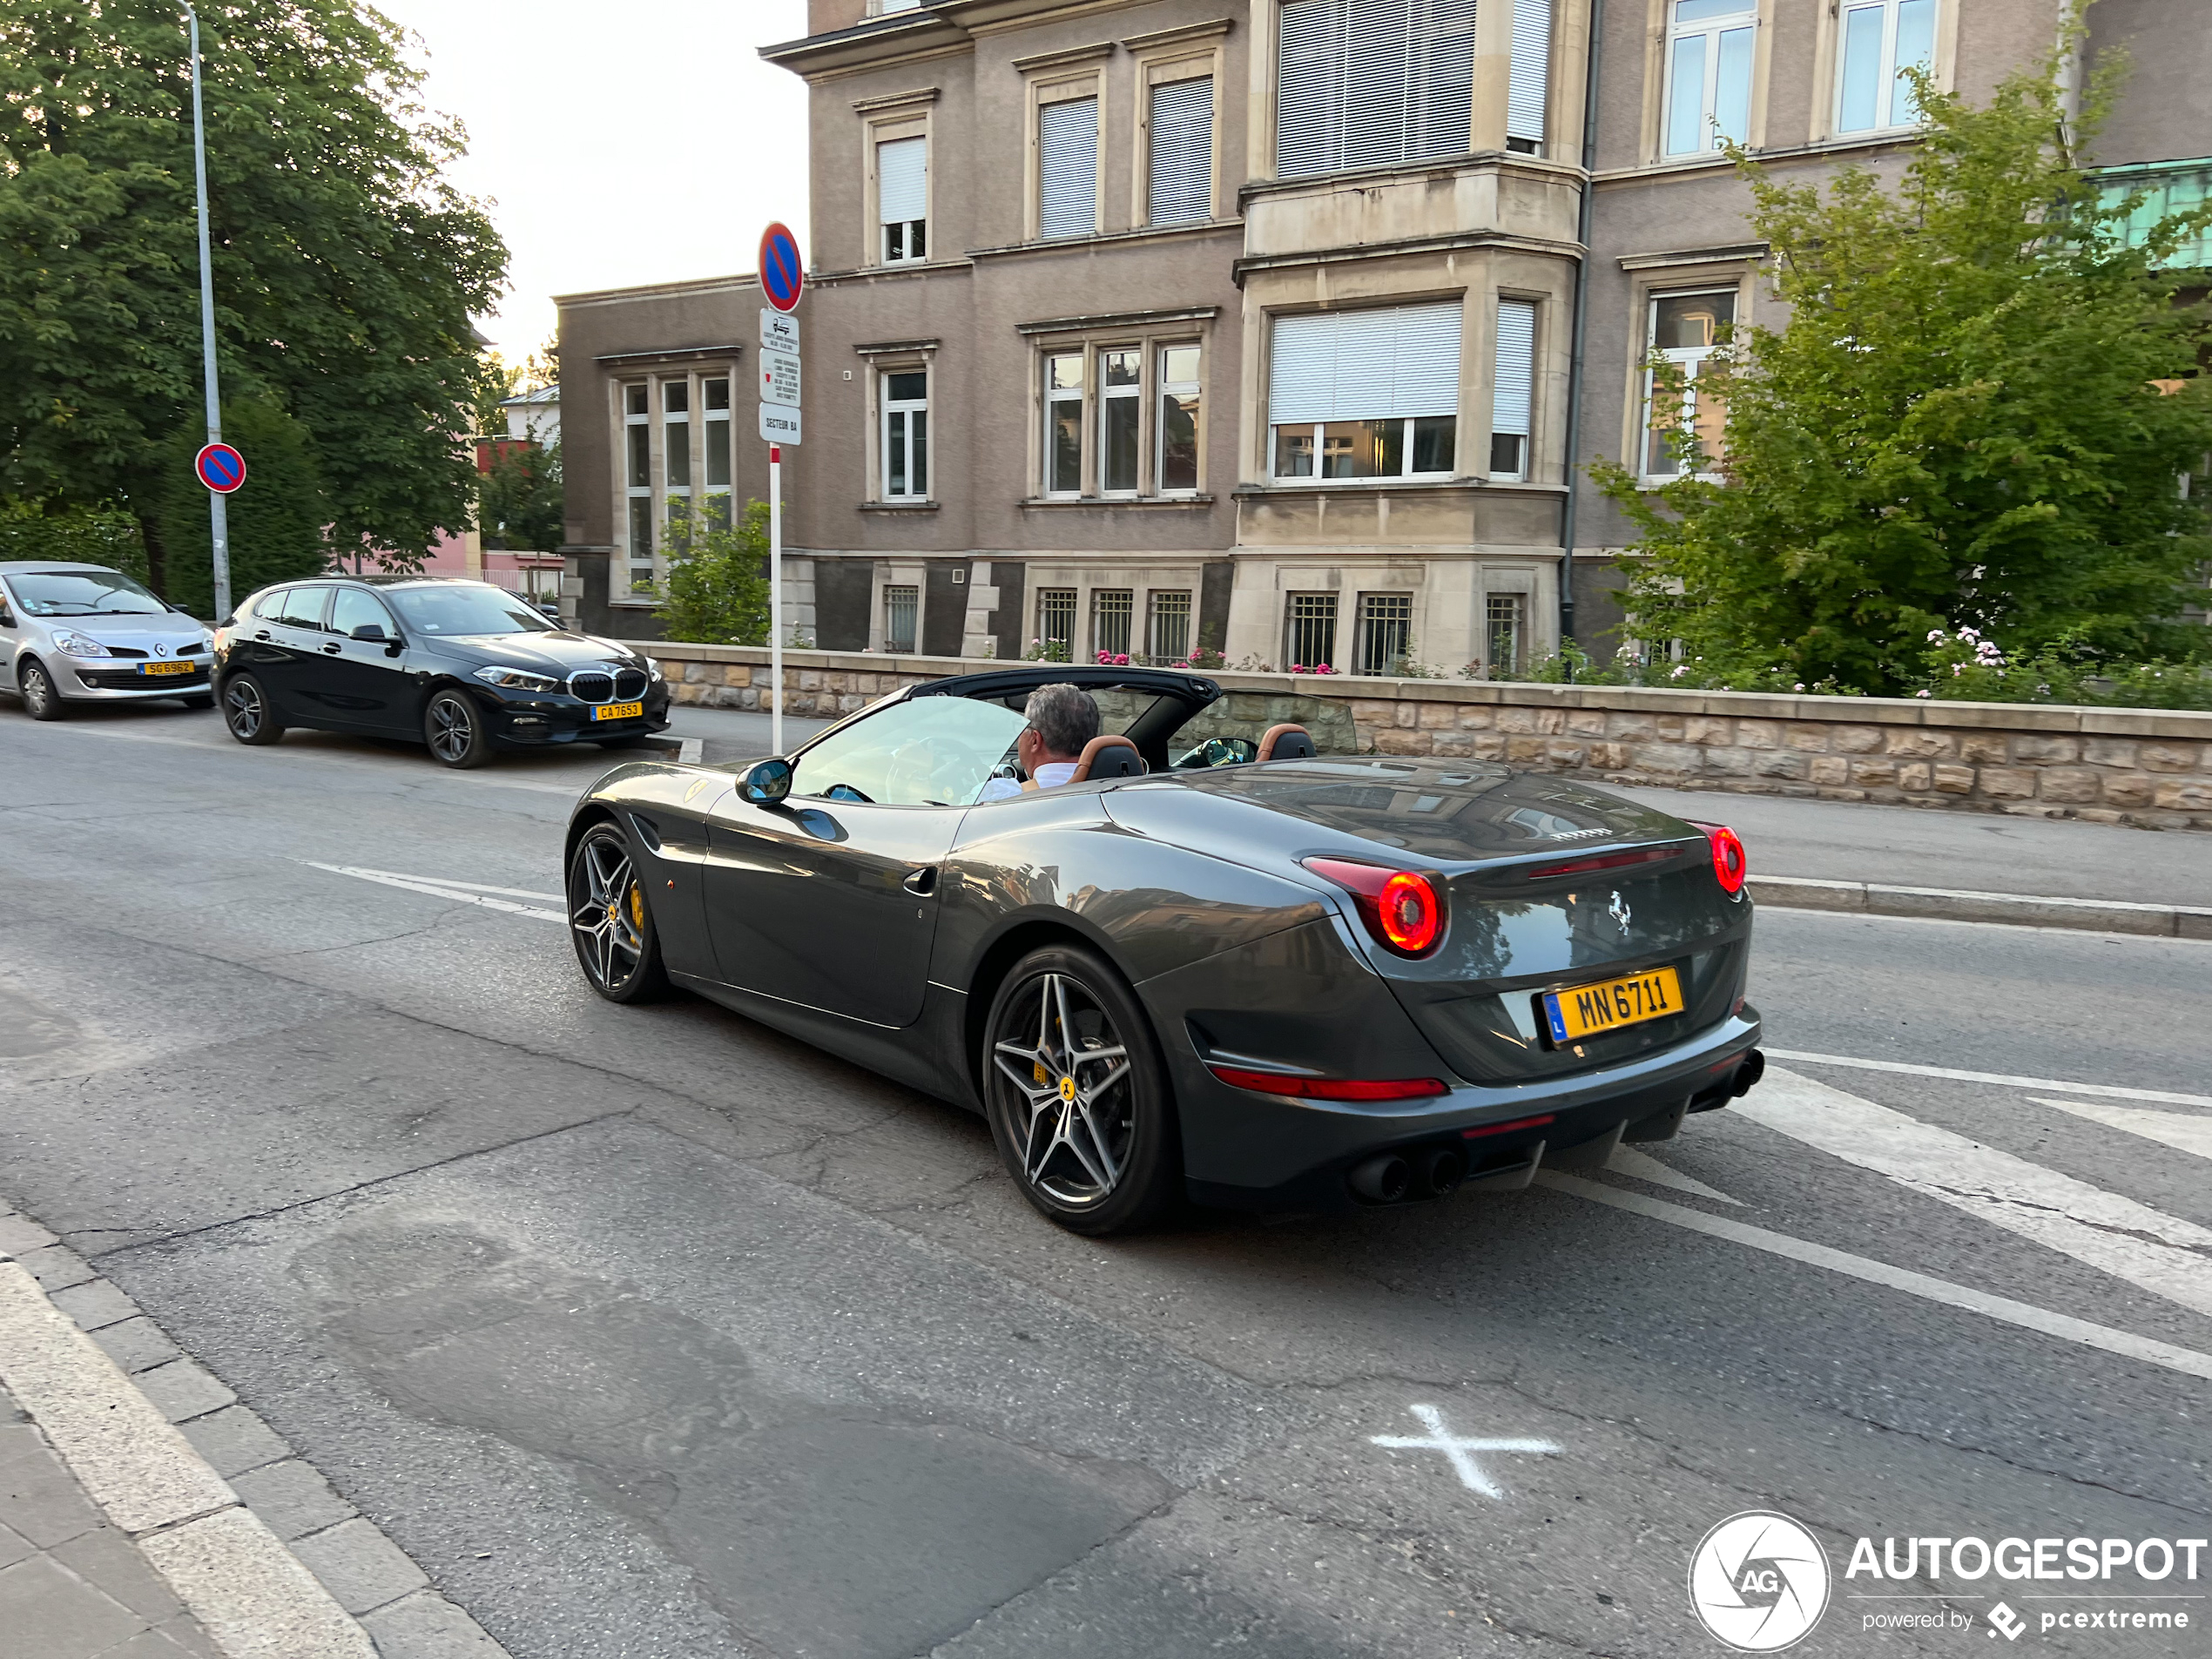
1223, 962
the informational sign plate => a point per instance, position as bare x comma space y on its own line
779, 423
780, 276
220, 468
779, 378
778, 331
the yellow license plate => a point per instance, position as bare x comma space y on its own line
617, 711
1587, 1010
166, 668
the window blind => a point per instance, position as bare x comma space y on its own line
1374, 364
1067, 168
1516, 382
902, 180
1373, 82
1529, 70
1182, 183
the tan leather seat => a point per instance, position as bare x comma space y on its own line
1107, 757
1286, 743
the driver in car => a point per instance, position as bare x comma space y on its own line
1062, 720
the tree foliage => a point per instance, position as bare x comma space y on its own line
345, 268
718, 577
274, 522
1960, 424
519, 500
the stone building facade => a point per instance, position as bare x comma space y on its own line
1277, 327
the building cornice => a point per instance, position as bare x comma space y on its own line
896, 37
658, 290
1108, 239
1210, 29
1414, 245
664, 355
1118, 320
894, 100
1363, 178
1067, 57
1701, 166
897, 347
1731, 253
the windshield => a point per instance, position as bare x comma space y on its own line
466, 609
83, 593
926, 751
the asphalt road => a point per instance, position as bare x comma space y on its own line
650, 1332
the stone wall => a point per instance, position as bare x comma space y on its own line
2138, 766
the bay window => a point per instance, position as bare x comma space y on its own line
1709, 73
1373, 82
1360, 395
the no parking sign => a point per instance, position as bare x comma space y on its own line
220, 468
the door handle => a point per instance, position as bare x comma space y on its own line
331, 649
261, 633
922, 882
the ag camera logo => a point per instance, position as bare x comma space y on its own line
1759, 1582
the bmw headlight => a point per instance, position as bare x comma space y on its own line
75, 645
516, 679
652, 668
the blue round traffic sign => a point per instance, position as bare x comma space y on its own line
220, 468
780, 276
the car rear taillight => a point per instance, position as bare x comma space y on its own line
1401, 909
1276, 1083
1729, 864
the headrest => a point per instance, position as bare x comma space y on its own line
1108, 756
1286, 743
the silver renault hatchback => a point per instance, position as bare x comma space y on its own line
82, 633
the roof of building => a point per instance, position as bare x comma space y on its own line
541, 395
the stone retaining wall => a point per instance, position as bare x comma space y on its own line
2138, 766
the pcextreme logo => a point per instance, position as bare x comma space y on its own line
1759, 1582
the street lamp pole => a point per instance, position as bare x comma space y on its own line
218, 506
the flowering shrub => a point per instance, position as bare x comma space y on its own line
1318, 668
1113, 659
1047, 651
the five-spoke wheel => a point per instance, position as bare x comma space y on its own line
1077, 1097
609, 920
246, 711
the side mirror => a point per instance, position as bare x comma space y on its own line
552, 611
372, 632
766, 784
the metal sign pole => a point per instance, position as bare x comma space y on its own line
776, 598
218, 506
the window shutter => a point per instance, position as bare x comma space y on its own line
1516, 384
1529, 71
1440, 101
1182, 151
1067, 168
1309, 89
902, 180
1376, 365
1374, 82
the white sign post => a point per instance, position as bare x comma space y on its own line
782, 279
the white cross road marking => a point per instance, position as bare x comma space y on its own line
1626, 1160
1458, 1448
2102, 1091
445, 881
2163, 1254
2182, 1130
452, 895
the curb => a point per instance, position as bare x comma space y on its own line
1944, 904
262, 1551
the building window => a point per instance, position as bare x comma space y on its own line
906, 434
1310, 630
1506, 615
1180, 407
638, 478
1513, 392
1880, 40
1168, 628
1111, 611
1063, 424
1709, 73
1528, 75
1182, 151
1056, 622
1121, 375
2168, 188
676, 444
1385, 632
1373, 82
714, 399
1068, 167
1685, 328
1370, 393
903, 197
902, 606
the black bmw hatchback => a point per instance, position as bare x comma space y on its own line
464, 667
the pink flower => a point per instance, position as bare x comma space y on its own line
1298, 668
1924, 692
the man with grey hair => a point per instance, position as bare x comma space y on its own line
1063, 721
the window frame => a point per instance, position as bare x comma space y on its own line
1836, 24
1516, 612
1149, 347
1155, 401
1173, 66
1526, 470
1477, 30
634, 419
891, 590
644, 509
1291, 599
885, 407
1155, 613
1748, 15
1379, 614
884, 227
1106, 394
1044, 91
1270, 428
887, 121
1688, 357
1046, 602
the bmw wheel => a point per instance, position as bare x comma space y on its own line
40, 701
609, 922
455, 729
1078, 1098
247, 711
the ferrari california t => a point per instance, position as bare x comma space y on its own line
1220, 962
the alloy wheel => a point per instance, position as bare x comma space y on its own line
452, 725
1070, 1070
243, 708
607, 911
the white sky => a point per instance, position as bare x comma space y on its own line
639, 142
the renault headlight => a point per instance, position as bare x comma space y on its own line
74, 644
516, 679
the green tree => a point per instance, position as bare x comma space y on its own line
30, 530
275, 520
1960, 425
718, 577
519, 500
346, 266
